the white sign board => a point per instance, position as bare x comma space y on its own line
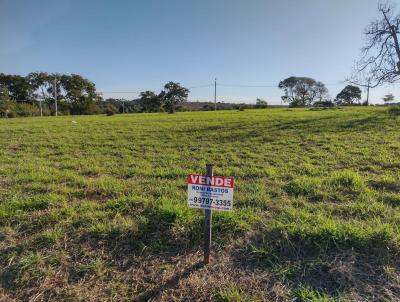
214, 193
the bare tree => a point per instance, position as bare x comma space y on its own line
380, 61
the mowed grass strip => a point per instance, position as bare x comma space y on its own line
95, 209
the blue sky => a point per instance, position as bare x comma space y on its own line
129, 46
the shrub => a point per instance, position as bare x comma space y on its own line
208, 107
394, 110
181, 109
109, 111
85, 106
64, 108
11, 114
7, 108
26, 109
242, 107
92, 108
46, 111
326, 103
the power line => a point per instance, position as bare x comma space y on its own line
201, 86
267, 86
241, 85
215, 85
218, 84
122, 91
139, 91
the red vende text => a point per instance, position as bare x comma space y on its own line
217, 181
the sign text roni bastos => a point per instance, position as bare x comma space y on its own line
206, 192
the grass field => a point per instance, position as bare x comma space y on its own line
96, 209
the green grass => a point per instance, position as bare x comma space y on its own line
97, 209
232, 294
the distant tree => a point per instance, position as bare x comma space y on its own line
302, 91
380, 61
349, 95
321, 92
261, 102
172, 95
17, 86
41, 83
75, 94
81, 94
150, 102
388, 98
4, 94
7, 106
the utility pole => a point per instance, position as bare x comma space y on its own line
215, 94
368, 86
123, 106
41, 109
42, 99
55, 94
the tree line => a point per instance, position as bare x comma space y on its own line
42, 93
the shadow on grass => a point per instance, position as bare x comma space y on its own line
313, 124
324, 264
341, 122
157, 231
169, 284
373, 121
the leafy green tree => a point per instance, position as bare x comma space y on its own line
302, 91
18, 87
349, 95
7, 106
261, 102
4, 94
320, 92
172, 95
388, 98
42, 84
150, 102
80, 93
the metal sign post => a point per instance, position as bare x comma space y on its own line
207, 223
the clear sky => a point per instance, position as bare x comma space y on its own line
136, 45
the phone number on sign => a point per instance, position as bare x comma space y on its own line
209, 201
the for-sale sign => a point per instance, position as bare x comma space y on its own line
210, 192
